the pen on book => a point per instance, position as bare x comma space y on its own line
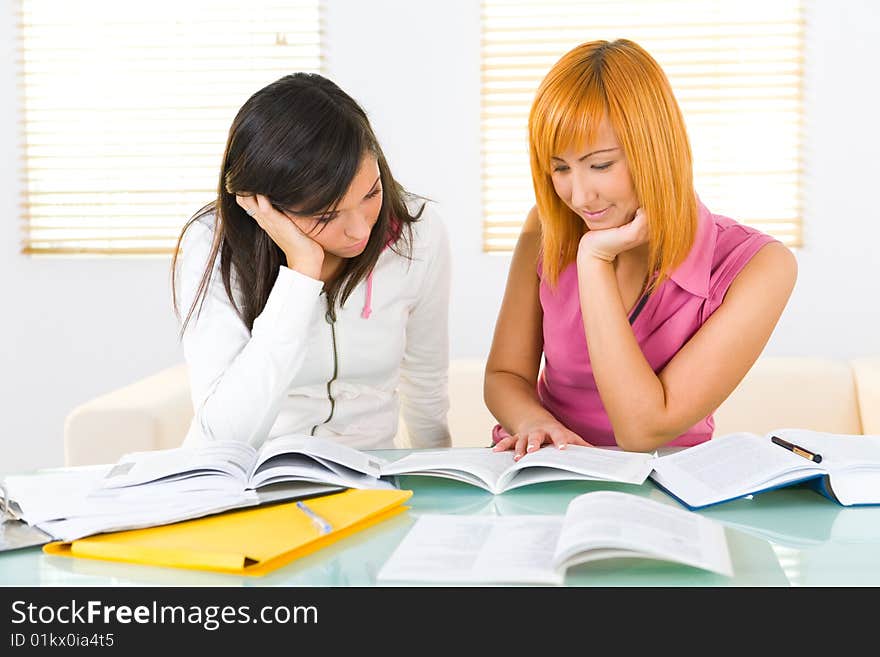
323, 526
797, 449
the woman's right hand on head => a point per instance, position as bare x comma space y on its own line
303, 253
532, 436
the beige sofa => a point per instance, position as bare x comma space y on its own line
836, 396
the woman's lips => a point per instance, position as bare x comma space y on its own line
594, 215
358, 247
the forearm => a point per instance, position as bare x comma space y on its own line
225, 415
632, 394
513, 401
238, 379
242, 404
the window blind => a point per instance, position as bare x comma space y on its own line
125, 109
737, 72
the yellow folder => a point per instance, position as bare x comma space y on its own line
249, 542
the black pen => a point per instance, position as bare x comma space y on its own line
800, 451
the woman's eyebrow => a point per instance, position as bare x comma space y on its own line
332, 213
584, 157
373, 186
312, 215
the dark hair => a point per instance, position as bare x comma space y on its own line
298, 141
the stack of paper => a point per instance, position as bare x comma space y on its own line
71, 503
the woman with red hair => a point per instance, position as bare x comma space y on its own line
647, 308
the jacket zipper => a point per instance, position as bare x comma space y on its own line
332, 322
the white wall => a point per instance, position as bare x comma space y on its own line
71, 329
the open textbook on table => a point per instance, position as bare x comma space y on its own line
536, 549
497, 472
307, 458
150, 488
65, 504
237, 465
846, 471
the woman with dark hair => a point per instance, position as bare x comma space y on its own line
314, 289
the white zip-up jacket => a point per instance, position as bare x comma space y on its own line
386, 353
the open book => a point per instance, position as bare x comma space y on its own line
65, 504
145, 489
149, 488
740, 464
497, 472
532, 549
237, 465
307, 458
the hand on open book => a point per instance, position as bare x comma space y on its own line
533, 436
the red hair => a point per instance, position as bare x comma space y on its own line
621, 81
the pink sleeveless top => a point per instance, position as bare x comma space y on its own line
667, 320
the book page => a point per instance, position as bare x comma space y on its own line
304, 468
232, 459
65, 498
55, 493
577, 462
312, 459
479, 466
70, 503
852, 461
476, 549
856, 486
328, 453
610, 523
141, 513
839, 451
728, 467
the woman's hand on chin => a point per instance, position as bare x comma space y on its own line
606, 244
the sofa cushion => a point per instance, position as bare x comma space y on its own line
804, 392
867, 375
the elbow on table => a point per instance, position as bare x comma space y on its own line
640, 440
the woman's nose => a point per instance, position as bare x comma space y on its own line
358, 227
582, 191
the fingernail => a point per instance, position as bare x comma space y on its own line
563, 446
530, 448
